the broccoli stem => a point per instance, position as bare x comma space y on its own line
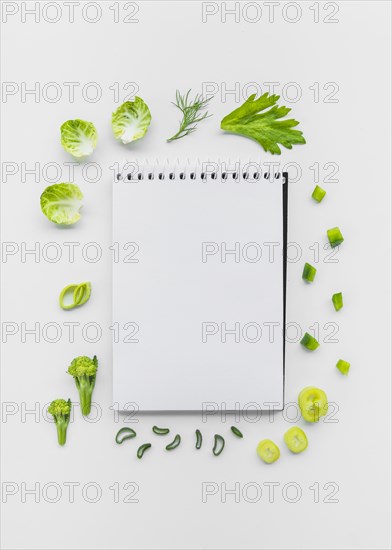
85, 387
62, 426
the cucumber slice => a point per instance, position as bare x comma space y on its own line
296, 440
313, 403
268, 451
318, 193
343, 366
309, 342
337, 300
335, 237
309, 273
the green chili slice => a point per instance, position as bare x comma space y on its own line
236, 431
309, 273
82, 293
199, 439
160, 431
124, 434
142, 449
337, 300
219, 444
309, 342
335, 237
174, 444
318, 193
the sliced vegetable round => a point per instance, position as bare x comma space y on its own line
174, 444
296, 439
142, 449
124, 434
160, 431
343, 366
236, 431
335, 237
199, 439
318, 193
309, 273
268, 451
309, 342
63, 294
219, 444
313, 403
337, 300
80, 294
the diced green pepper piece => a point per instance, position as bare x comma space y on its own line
318, 193
309, 342
343, 366
337, 300
313, 403
296, 440
335, 237
309, 273
268, 451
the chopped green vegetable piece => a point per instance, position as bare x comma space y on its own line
337, 300
219, 444
142, 449
268, 451
335, 237
61, 412
264, 127
309, 342
131, 120
296, 440
236, 431
174, 444
80, 293
318, 193
343, 366
61, 203
313, 403
160, 431
79, 137
124, 434
199, 439
84, 371
309, 273
191, 113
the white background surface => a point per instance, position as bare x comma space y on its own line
170, 47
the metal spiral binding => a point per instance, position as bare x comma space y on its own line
197, 171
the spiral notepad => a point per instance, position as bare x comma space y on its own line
199, 287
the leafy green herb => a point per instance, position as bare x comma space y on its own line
264, 127
191, 113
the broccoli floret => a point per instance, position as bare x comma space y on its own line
61, 411
84, 371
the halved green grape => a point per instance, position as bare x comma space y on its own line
309, 273
268, 451
337, 300
343, 366
335, 237
296, 440
318, 193
309, 342
313, 403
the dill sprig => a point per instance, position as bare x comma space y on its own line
191, 113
